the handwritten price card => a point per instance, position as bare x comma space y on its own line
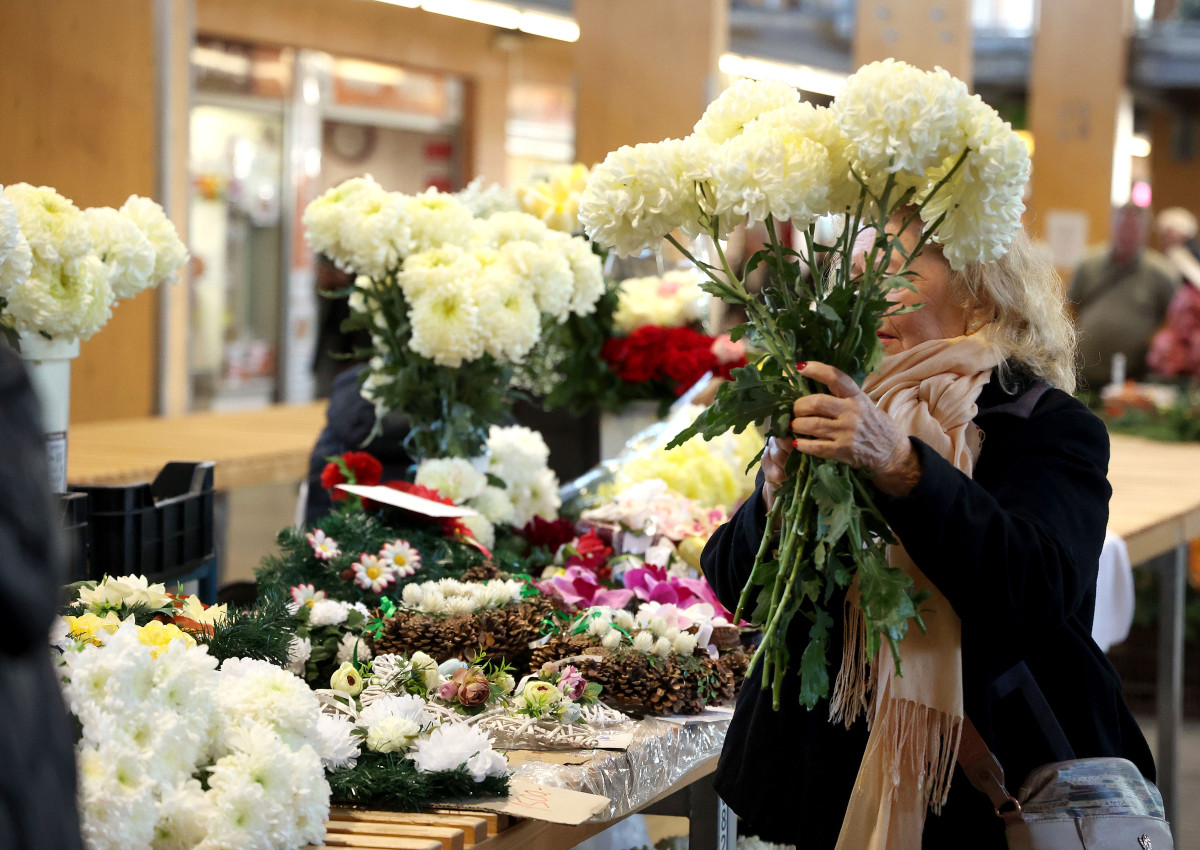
528, 799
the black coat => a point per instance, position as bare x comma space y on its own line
1015, 551
37, 782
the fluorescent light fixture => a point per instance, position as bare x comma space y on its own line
549, 26
480, 11
407, 4
1139, 145
806, 77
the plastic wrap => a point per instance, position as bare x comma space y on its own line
660, 755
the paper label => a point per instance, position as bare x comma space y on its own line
712, 714
528, 799
407, 501
615, 741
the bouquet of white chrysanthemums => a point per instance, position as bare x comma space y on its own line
452, 301
897, 141
62, 268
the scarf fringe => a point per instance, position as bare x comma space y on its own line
854, 682
930, 740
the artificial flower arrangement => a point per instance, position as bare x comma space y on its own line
62, 269
453, 302
657, 661
1155, 411
176, 752
360, 553
896, 140
451, 619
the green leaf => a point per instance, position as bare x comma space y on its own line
834, 495
814, 674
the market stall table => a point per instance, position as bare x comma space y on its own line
1156, 509
250, 447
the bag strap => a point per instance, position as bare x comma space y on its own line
984, 771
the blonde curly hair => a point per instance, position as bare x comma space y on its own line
1030, 322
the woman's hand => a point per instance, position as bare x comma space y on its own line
848, 427
774, 459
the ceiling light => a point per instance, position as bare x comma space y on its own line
549, 26
806, 77
1138, 145
479, 11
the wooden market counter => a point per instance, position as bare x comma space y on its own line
272, 444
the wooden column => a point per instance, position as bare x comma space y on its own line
77, 96
645, 70
1175, 158
1076, 87
925, 33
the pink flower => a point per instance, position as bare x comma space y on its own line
306, 594
447, 691
728, 351
324, 548
571, 683
580, 587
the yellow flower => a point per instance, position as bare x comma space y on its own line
555, 200
159, 635
90, 628
689, 549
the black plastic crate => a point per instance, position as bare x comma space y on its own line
73, 517
159, 530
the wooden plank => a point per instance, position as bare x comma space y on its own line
495, 822
1156, 494
473, 825
379, 842
451, 838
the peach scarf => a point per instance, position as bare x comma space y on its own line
915, 719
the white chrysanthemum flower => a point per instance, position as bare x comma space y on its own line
116, 798
53, 226
71, 299
446, 324
454, 477
982, 200
536, 496
684, 643
764, 173
486, 763
325, 215
481, 529
407, 706
625, 620
460, 605
126, 252
899, 118
449, 746
436, 268
184, 816
662, 647
16, 259
670, 301
554, 200
437, 219
375, 233
494, 504
643, 641
336, 744
640, 194
516, 453
511, 322
412, 594
484, 199
327, 612
169, 252
299, 651
740, 104
255, 691
391, 734
589, 275
353, 648
505, 227
545, 269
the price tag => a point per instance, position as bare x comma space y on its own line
528, 799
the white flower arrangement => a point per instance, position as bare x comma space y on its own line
652, 631
670, 301
553, 197
150, 725
454, 744
449, 596
62, 269
115, 593
455, 478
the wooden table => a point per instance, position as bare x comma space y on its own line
1156, 509
250, 447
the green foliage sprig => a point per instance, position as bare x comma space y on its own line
391, 781
264, 632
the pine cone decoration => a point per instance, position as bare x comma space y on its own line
484, 572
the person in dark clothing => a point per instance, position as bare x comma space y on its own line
37, 785
348, 422
335, 348
1002, 512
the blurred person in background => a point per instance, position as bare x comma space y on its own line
37, 783
1175, 350
335, 348
1120, 298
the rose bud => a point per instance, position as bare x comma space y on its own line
347, 680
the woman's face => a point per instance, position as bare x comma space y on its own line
940, 315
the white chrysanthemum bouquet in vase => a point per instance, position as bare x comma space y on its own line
897, 141
61, 271
453, 302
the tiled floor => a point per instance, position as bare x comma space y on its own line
1187, 821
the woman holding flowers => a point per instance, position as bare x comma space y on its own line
994, 480
926, 465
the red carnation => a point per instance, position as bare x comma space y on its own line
451, 526
548, 534
362, 468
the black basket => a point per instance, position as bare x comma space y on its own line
73, 517
162, 530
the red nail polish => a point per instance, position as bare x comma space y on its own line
801, 365
795, 444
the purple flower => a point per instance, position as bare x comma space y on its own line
571, 683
